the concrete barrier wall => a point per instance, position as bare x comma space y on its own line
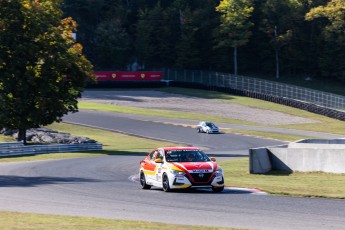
303, 157
259, 161
308, 160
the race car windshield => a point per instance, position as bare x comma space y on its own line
210, 124
186, 156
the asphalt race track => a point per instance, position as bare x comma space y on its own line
217, 143
108, 187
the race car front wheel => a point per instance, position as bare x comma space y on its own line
143, 181
166, 186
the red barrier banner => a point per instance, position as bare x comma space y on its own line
129, 76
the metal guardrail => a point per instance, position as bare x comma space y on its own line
256, 85
18, 148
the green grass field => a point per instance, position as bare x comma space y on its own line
30, 221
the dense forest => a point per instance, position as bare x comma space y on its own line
272, 37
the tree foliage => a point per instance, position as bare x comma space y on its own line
42, 68
332, 60
234, 24
272, 35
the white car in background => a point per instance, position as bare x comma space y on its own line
207, 127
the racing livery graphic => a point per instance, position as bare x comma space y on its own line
180, 168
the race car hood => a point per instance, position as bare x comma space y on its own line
196, 167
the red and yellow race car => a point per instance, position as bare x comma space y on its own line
180, 168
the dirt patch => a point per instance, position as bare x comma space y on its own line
176, 102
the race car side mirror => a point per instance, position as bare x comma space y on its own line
213, 159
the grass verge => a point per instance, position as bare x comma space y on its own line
15, 220
314, 184
272, 135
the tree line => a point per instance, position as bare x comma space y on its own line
272, 37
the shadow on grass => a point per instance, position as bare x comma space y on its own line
278, 173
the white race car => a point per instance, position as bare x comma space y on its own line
180, 168
207, 127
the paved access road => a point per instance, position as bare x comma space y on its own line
107, 187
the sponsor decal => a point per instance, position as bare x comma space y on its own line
200, 171
129, 76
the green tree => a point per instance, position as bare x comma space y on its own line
334, 12
42, 69
88, 14
161, 37
235, 24
278, 22
112, 45
187, 54
143, 43
332, 61
206, 19
179, 32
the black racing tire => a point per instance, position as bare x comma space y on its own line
199, 131
165, 183
217, 189
143, 181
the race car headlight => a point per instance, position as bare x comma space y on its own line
176, 172
218, 172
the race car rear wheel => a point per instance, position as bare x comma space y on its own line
143, 181
217, 189
166, 186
